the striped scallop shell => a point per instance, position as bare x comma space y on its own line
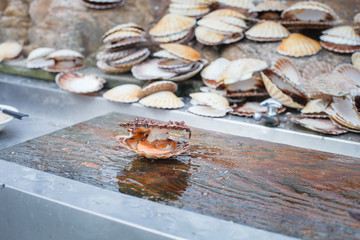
111, 56
197, 68
315, 108
165, 54
189, 10
225, 12
126, 93
10, 50
355, 59
106, 67
181, 51
102, 4
172, 37
206, 36
349, 71
277, 94
269, 6
219, 26
244, 4
209, 99
79, 83
340, 48
65, 54
163, 100
120, 35
207, 111
125, 26
171, 24
288, 69
333, 84
267, 31
36, 58
158, 87
298, 45
346, 32
132, 59
309, 11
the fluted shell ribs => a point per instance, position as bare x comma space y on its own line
162, 100
10, 50
222, 26
126, 93
342, 39
151, 139
79, 83
298, 45
267, 31
157, 87
122, 48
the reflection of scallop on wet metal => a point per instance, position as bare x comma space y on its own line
151, 139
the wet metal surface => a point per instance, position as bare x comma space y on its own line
289, 190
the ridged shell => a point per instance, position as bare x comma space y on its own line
355, 59
344, 113
349, 71
132, 59
158, 87
197, 68
119, 35
269, 5
319, 125
309, 11
209, 99
242, 69
102, 5
333, 84
340, 48
182, 51
315, 108
65, 54
111, 56
172, 23
311, 71
123, 26
172, 37
298, 45
65, 65
208, 37
40, 53
225, 12
288, 69
244, 4
126, 93
163, 100
219, 26
207, 111
233, 21
149, 70
186, 10
79, 83
10, 50
211, 74
277, 94
267, 31
357, 19
338, 40
103, 65
247, 109
165, 54
346, 32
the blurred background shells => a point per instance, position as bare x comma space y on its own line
65, 60
122, 48
79, 83
342, 39
37, 58
102, 4
10, 50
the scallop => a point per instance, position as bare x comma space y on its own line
243, 4
333, 84
191, 10
355, 59
102, 4
163, 100
219, 26
149, 70
267, 31
124, 26
171, 38
79, 83
36, 58
269, 6
288, 69
207, 111
165, 54
106, 67
315, 108
111, 56
197, 68
225, 12
132, 59
158, 87
10, 50
247, 109
298, 45
181, 51
212, 73
345, 32
206, 36
209, 99
349, 71
126, 93
65, 60
172, 23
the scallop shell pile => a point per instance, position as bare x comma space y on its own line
342, 39
79, 83
151, 139
37, 58
222, 26
175, 62
65, 60
10, 50
123, 48
102, 4
173, 28
191, 8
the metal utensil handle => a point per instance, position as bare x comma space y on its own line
14, 114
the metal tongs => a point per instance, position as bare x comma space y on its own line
14, 114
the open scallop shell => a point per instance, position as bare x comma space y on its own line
253, 83
278, 94
345, 32
149, 70
267, 31
124, 43
309, 11
158, 87
212, 73
248, 109
36, 58
126, 93
10, 50
318, 125
120, 35
269, 6
209, 99
298, 45
333, 84
65, 54
242, 69
315, 108
79, 83
349, 71
39, 53
355, 59
197, 68
288, 69
165, 54
172, 23
339, 48
207, 111
181, 51
243, 4
163, 100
